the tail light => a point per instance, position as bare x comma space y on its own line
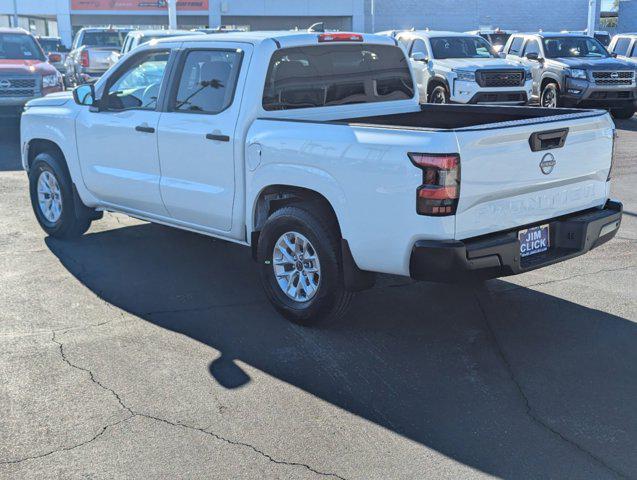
55, 57
340, 37
440, 190
84, 59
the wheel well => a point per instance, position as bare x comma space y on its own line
548, 80
38, 145
274, 197
435, 83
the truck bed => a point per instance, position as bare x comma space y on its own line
452, 117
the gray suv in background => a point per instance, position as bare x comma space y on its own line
575, 70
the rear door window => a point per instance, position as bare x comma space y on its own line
207, 83
328, 75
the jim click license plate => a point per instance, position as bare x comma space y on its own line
534, 240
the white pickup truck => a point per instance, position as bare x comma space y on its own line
463, 68
313, 150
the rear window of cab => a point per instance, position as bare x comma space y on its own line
328, 75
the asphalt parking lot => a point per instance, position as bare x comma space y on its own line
139, 351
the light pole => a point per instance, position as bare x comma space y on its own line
172, 14
592, 13
15, 13
373, 15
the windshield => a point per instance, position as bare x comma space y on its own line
575, 47
603, 38
498, 39
19, 47
104, 39
461, 47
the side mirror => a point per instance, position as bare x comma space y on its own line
502, 54
85, 95
419, 57
613, 54
533, 57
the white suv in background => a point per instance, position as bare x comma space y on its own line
624, 46
463, 68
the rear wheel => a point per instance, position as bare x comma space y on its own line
301, 269
439, 94
623, 113
550, 97
57, 210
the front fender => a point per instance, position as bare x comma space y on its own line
55, 124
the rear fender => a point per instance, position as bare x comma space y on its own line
303, 176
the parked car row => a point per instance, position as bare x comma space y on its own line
488, 66
552, 69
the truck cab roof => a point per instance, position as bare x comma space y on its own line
288, 38
19, 31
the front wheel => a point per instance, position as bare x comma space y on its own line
623, 113
300, 265
52, 198
550, 97
439, 94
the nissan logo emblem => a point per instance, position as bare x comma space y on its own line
5, 83
614, 75
547, 164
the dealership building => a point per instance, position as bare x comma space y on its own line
64, 17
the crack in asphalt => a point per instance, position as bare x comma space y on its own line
69, 448
527, 404
91, 375
133, 414
242, 444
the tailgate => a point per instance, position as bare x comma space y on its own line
505, 184
98, 58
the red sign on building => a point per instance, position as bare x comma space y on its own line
137, 5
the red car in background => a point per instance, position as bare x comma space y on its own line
25, 72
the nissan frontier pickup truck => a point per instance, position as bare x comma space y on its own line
25, 73
312, 149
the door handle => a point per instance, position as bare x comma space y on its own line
219, 138
142, 128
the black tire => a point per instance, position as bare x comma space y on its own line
550, 96
317, 225
623, 113
438, 94
75, 217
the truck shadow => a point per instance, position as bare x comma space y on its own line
507, 380
9, 144
629, 124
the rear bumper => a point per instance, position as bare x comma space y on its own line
498, 255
